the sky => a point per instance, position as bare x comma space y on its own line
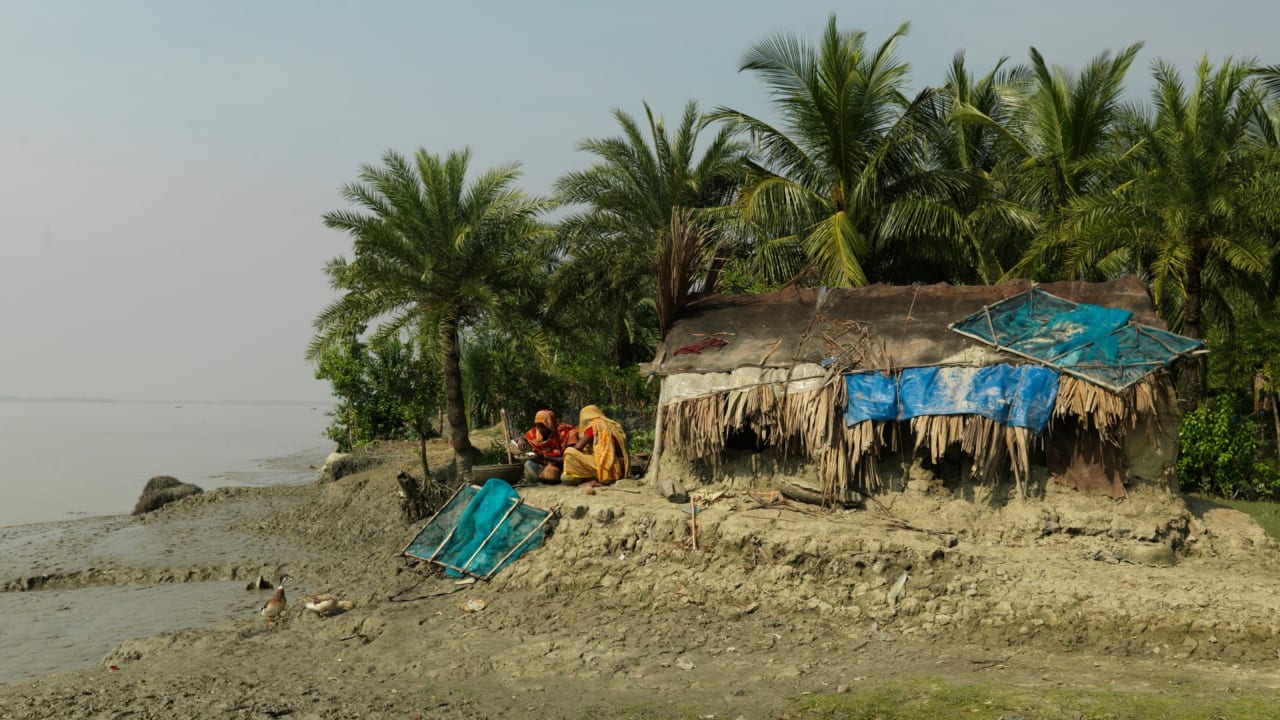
164, 165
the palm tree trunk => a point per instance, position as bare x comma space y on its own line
1192, 379
464, 453
622, 346
1275, 418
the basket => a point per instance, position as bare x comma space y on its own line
511, 472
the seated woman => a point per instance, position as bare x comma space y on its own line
600, 456
547, 440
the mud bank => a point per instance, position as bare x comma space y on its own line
619, 609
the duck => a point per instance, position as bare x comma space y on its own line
273, 608
325, 605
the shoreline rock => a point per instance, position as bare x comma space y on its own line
162, 490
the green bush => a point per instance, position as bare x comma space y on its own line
495, 454
385, 389
640, 441
1219, 455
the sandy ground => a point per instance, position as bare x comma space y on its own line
618, 610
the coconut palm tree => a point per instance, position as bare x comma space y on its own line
1059, 134
1063, 132
843, 175
1270, 78
627, 198
996, 229
434, 253
1199, 206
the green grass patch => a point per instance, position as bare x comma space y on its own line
928, 699
936, 699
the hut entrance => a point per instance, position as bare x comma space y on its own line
745, 438
1079, 457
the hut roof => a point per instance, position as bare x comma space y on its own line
876, 327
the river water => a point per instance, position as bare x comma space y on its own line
61, 459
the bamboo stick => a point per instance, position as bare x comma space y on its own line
506, 433
693, 523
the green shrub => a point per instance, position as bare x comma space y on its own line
1219, 455
495, 454
640, 441
386, 389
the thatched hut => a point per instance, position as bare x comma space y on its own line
992, 380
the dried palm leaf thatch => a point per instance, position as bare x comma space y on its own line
758, 409
851, 464
809, 421
935, 433
694, 428
846, 457
1109, 413
853, 347
699, 427
987, 441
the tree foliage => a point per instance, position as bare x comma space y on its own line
1219, 455
1017, 170
385, 390
624, 202
843, 175
434, 253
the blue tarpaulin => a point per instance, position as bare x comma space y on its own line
1100, 344
1017, 395
480, 531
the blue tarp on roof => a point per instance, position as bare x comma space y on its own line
1017, 395
480, 531
1100, 344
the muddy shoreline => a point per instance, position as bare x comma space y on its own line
617, 610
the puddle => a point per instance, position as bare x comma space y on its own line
61, 630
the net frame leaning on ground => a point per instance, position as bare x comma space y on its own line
480, 531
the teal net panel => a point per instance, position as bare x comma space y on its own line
1099, 344
480, 531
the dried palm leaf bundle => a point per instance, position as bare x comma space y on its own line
694, 428
823, 418
1017, 443
685, 250
937, 432
863, 443
850, 464
1112, 414
984, 441
758, 409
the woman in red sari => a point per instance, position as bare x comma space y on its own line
547, 440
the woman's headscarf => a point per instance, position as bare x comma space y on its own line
558, 436
545, 418
603, 447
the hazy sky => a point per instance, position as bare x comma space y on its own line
164, 165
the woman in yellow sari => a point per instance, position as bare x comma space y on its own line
600, 455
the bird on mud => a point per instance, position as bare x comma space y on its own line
275, 606
325, 605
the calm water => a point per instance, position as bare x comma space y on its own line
61, 460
